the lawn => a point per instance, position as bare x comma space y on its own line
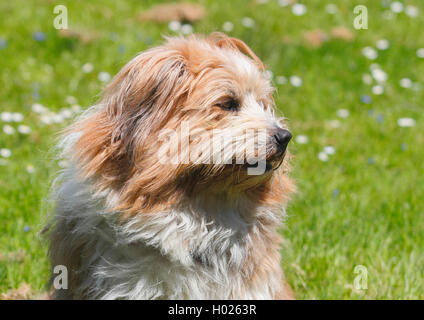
354, 105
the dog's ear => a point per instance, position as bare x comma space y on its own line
223, 41
139, 100
148, 88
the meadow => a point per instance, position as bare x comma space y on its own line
354, 100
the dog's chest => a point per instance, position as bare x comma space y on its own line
180, 257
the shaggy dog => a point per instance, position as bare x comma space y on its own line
160, 199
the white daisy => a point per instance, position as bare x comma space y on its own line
248, 22
299, 9
7, 129
370, 53
66, 113
30, 168
396, 7
5, 153
405, 83
302, 139
329, 150
228, 26
411, 11
379, 75
187, 28
343, 113
382, 44
283, 3
174, 25
331, 8
71, 100
24, 129
104, 76
420, 53
17, 117
406, 122
87, 67
323, 156
334, 124
38, 108
76, 108
378, 89
296, 81
6, 116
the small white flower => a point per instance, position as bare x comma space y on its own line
57, 118
5, 153
405, 83
66, 113
268, 74
379, 75
396, 7
174, 25
296, 81
17, 117
329, 150
76, 108
412, 11
378, 89
187, 28
299, 9
6, 116
228, 26
87, 67
323, 156
331, 8
382, 44
71, 100
420, 53
283, 3
46, 119
281, 80
30, 168
104, 76
343, 113
370, 53
24, 129
406, 122
302, 139
334, 124
38, 108
8, 129
366, 78
248, 22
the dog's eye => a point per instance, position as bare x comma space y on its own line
229, 105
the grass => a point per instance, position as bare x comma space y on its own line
364, 206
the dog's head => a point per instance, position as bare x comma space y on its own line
194, 115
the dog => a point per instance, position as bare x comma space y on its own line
133, 221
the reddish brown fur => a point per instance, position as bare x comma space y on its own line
116, 153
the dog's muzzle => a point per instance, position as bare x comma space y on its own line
282, 138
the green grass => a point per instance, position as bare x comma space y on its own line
364, 206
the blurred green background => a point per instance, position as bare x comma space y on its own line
354, 100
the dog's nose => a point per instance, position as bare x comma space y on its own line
282, 138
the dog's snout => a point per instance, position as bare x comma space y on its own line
282, 138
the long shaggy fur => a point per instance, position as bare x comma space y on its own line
128, 226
